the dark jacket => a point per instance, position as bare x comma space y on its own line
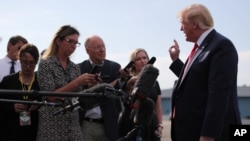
206, 101
111, 107
10, 128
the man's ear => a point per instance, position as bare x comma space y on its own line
195, 25
87, 50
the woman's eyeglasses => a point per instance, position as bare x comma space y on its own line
72, 42
28, 63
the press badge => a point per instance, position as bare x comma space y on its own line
25, 118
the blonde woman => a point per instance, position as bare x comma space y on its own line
140, 59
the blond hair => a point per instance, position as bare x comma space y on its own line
197, 13
133, 57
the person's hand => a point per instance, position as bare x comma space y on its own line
20, 107
174, 51
87, 79
124, 74
158, 131
33, 108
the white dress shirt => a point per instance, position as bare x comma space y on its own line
95, 112
5, 64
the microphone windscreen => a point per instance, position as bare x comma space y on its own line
125, 123
99, 88
145, 112
145, 81
90, 102
152, 60
142, 117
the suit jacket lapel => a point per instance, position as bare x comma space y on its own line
199, 51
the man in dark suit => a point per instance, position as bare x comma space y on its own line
100, 123
204, 100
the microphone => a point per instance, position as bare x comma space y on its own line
145, 112
72, 106
129, 65
123, 85
129, 136
103, 89
95, 70
139, 103
143, 118
152, 60
90, 102
145, 82
124, 79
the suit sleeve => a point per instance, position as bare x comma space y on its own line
176, 67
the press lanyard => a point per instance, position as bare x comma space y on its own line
26, 87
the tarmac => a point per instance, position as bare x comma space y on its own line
166, 131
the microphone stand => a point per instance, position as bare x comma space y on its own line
141, 111
107, 93
47, 93
42, 103
44, 93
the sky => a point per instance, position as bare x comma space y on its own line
124, 26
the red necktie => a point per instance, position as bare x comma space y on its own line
192, 52
191, 55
